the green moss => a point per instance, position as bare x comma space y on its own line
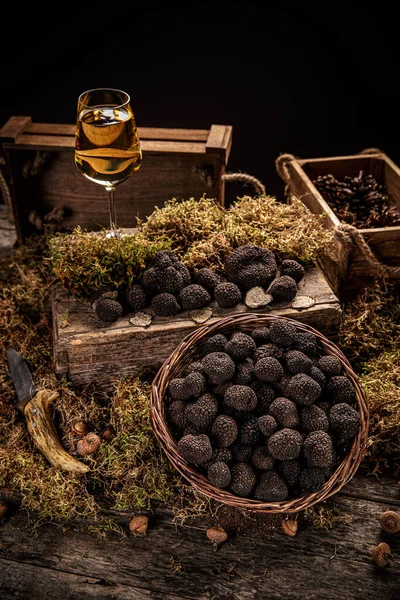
85, 261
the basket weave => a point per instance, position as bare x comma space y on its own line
189, 350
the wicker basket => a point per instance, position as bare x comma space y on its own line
189, 350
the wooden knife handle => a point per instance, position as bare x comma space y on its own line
41, 427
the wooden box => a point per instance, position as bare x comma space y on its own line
87, 351
347, 272
42, 176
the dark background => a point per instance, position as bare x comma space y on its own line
310, 80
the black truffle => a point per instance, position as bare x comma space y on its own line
290, 471
271, 488
244, 372
195, 449
285, 412
136, 297
340, 389
293, 269
219, 474
240, 346
242, 452
191, 386
201, 413
176, 413
265, 394
311, 479
298, 362
108, 310
208, 279
345, 421
165, 305
227, 295
268, 350
243, 480
330, 365
166, 274
285, 444
306, 342
249, 266
282, 333
194, 296
105, 291
218, 366
262, 459
224, 430
216, 343
303, 389
283, 289
268, 370
194, 367
267, 425
260, 335
318, 376
222, 454
317, 448
241, 397
313, 418
249, 431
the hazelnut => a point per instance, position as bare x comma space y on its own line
139, 525
289, 527
216, 535
88, 445
108, 434
390, 521
80, 428
3, 510
381, 554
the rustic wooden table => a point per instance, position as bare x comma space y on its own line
176, 563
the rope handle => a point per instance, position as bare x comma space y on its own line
246, 179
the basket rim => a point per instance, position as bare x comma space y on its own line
342, 475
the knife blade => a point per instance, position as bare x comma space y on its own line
22, 378
36, 408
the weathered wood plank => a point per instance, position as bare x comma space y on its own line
21, 581
317, 564
103, 353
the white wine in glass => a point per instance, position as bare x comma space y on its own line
107, 146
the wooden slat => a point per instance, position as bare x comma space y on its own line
220, 140
145, 133
57, 143
13, 127
334, 159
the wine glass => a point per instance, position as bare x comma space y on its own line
107, 147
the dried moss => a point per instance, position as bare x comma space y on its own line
381, 381
370, 338
203, 233
85, 261
325, 517
371, 323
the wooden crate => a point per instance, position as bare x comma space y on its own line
42, 175
86, 351
347, 272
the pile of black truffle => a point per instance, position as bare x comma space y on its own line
167, 287
265, 415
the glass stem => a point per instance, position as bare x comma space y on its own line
111, 208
